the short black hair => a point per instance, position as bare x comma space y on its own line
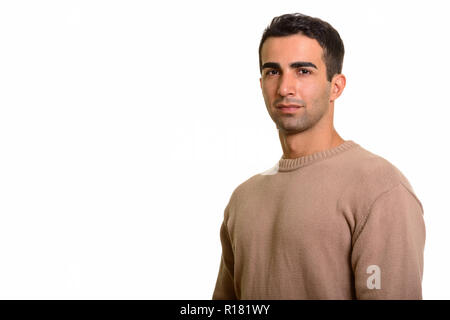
314, 28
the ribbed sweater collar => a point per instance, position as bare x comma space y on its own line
292, 164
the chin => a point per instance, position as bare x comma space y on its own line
289, 130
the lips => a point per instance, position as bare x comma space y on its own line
280, 105
288, 108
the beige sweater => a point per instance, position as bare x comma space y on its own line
338, 224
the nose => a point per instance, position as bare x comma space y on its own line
286, 86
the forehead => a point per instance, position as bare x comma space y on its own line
285, 50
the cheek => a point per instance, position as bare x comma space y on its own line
305, 90
268, 91
267, 99
310, 91
267, 86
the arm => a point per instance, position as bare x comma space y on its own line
387, 254
224, 289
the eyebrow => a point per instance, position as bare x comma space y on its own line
294, 65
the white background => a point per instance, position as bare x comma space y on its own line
126, 125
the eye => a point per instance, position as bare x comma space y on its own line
304, 71
271, 72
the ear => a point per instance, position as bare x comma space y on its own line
337, 86
260, 82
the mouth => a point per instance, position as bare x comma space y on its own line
291, 108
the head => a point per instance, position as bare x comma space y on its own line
300, 60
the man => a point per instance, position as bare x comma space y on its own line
331, 220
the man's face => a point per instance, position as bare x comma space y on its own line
294, 74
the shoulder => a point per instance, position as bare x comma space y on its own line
369, 176
253, 185
245, 188
375, 173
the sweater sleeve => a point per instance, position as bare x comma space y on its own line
387, 253
224, 289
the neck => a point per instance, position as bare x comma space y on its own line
303, 144
320, 137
